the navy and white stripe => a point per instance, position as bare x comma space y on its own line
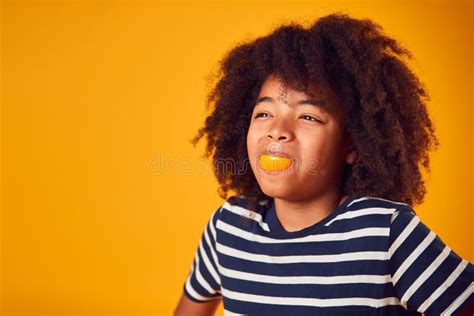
370, 255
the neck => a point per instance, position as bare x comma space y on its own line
297, 215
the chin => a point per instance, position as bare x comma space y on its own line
277, 190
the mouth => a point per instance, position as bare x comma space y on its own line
275, 162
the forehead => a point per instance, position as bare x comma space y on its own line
274, 86
322, 95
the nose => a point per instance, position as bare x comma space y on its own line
280, 131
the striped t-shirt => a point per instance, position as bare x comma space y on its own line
370, 256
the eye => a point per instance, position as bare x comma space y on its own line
310, 118
260, 114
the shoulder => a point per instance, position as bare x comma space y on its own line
373, 201
401, 219
241, 205
370, 211
235, 204
240, 211
373, 204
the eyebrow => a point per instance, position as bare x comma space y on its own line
318, 103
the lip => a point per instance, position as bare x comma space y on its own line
277, 154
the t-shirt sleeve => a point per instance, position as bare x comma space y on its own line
427, 275
203, 282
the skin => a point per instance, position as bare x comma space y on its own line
310, 189
187, 307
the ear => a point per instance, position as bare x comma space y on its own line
350, 153
351, 156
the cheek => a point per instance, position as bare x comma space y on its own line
312, 157
317, 150
312, 143
252, 140
252, 149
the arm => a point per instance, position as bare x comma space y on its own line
427, 275
468, 310
202, 290
187, 307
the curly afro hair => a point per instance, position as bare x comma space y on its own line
383, 101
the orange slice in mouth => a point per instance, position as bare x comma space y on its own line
274, 163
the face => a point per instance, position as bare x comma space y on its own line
290, 123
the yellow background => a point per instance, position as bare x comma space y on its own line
98, 95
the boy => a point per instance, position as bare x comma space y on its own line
335, 128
